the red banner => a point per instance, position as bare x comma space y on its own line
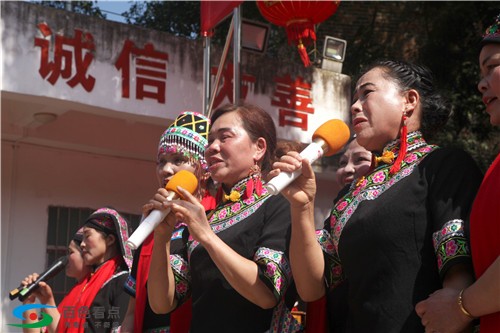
213, 12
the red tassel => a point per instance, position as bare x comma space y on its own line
249, 188
258, 186
303, 54
402, 148
302, 33
300, 30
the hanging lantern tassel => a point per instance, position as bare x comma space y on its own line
303, 53
301, 32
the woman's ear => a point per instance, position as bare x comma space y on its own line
110, 240
261, 145
412, 99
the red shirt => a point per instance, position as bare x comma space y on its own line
485, 233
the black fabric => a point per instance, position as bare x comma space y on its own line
217, 307
94, 222
386, 247
109, 306
337, 308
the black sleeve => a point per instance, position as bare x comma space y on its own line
271, 251
454, 179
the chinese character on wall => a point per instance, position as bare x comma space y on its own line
71, 57
293, 97
150, 71
226, 88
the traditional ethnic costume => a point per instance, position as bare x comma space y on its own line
187, 135
98, 303
258, 228
393, 236
148, 321
485, 216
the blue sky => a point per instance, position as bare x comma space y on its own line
108, 7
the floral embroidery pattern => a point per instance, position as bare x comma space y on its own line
182, 277
378, 177
276, 269
230, 213
130, 284
177, 233
325, 241
370, 188
332, 259
377, 182
123, 226
450, 243
283, 321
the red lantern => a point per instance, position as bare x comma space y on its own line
299, 18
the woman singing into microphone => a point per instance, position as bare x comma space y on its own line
235, 261
97, 303
75, 268
396, 234
181, 147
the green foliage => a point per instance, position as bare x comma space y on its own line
82, 7
443, 35
180, 18
451, 51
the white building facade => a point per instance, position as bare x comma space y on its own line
83, 104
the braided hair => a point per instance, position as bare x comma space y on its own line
435, 109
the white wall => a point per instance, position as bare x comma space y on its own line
21, 62
35, 177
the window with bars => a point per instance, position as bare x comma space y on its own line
63, 223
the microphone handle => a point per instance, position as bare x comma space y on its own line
146, 228
51, 272
312, 152
26, 292
148, 225
281, 181
14, 293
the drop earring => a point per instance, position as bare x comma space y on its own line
402, 146
255, 181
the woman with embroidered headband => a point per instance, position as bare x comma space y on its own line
101, 292
181, 147
452, 309
397, 235
97, 303
235, 265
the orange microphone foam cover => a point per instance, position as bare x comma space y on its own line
335, 133
185, 179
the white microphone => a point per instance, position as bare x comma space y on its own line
328, 139
184, 179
